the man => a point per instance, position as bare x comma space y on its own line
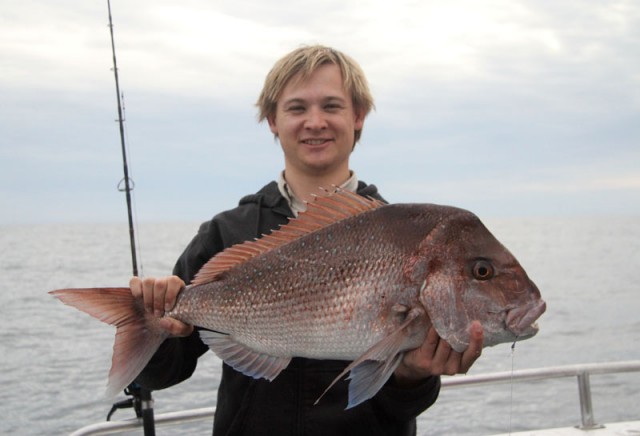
315, 101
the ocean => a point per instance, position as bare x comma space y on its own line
55, 359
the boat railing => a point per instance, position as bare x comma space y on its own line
582, 372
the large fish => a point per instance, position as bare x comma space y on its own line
350, 279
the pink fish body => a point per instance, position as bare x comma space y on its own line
351, 279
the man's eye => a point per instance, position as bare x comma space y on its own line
296, 109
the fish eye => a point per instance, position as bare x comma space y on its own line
482, 270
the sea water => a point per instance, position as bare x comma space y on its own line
55, 360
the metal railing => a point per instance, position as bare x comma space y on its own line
582, 372
163, 419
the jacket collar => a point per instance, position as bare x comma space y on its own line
270, 196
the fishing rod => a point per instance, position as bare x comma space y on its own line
141, 399
127, 181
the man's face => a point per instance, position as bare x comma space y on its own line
315, 122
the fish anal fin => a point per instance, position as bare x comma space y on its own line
243, 359
372, 369
325, 210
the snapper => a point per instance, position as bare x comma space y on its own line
351, 278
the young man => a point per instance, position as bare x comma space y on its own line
315, 101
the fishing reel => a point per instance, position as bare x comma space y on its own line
140, 400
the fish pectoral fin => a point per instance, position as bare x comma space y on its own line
368, 377
369, 372
242, 358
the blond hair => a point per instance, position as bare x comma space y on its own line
300, 64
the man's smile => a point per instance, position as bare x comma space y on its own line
318, 141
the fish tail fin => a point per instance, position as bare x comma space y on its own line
138, 333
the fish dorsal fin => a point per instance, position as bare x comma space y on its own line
323, 211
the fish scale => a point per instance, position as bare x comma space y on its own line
351, 279
320, 297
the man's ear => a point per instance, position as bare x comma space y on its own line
271, 119
359, 120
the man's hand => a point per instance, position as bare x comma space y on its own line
436, 357
159, 296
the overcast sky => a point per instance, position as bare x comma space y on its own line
503, 107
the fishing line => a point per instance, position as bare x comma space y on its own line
513, 349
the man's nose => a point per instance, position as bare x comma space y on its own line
315, 119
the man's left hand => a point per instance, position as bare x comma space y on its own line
436, 357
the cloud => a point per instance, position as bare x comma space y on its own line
498, 105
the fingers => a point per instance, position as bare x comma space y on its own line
174, 286
175, 327
429, 359
153, 293
430, 345
159, 295
474, 350
436, 357
460, 363
444, 358
135, 284
422, 357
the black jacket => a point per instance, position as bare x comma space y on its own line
246, 406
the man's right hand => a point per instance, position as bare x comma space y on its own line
159, 296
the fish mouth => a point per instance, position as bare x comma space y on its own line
521, 320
